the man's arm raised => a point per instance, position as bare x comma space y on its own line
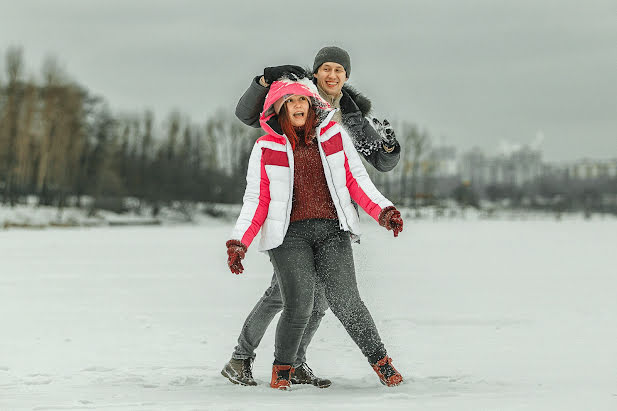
251, 103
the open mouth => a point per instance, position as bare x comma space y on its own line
331, 83
298, 114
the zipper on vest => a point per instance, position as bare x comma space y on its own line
291, 185
333, 192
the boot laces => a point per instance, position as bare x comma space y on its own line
247, 368
283, 374
307, 370
387, 370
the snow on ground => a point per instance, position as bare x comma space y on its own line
477, 315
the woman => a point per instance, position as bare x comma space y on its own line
301, 180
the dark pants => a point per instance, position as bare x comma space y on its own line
317, 250
260, 317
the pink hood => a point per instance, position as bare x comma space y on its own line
280, 89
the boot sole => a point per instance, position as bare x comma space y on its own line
283, 388
325, 385
313, 384
396, 384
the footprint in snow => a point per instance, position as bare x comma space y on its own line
38, 380
397, 396
184, 381
98, 369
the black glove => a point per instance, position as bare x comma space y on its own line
386, 132
271, 74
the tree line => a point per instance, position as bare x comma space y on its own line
60, 143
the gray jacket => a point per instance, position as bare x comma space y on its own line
354, 109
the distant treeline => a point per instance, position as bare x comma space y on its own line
60, 142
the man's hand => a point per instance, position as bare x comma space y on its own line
271, 74
386, 132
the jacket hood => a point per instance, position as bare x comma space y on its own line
279, 89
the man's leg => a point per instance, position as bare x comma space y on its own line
239, 370
258, 320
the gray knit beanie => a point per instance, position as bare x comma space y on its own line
335, 55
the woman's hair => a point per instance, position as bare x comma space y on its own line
294, 133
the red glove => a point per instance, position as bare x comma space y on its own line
390, 218
235, 253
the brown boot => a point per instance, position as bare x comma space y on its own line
304, 375
388, 375
239, 371
281, 375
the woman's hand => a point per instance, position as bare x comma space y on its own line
391, 218
235, 253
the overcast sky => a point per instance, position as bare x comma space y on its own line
471, 72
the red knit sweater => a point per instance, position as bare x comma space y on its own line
311, 196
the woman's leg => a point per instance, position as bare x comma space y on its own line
294, 267
320, 305
335, 267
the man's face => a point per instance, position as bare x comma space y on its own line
331, 77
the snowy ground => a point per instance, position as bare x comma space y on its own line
478, 315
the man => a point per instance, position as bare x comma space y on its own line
331, 70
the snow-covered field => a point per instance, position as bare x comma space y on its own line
478, 315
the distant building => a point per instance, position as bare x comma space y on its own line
445, 161
443, 170
522, 166
514, 168
591, 169
474, 167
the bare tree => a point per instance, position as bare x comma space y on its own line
51, 113
27, 147
210, 145
71, 143
231, 139
420, 145
10, 120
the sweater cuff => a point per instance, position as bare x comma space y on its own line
382, 215
236, 243
391, 149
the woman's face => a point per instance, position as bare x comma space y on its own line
297, 109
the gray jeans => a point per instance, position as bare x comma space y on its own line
317, 251
268, 306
